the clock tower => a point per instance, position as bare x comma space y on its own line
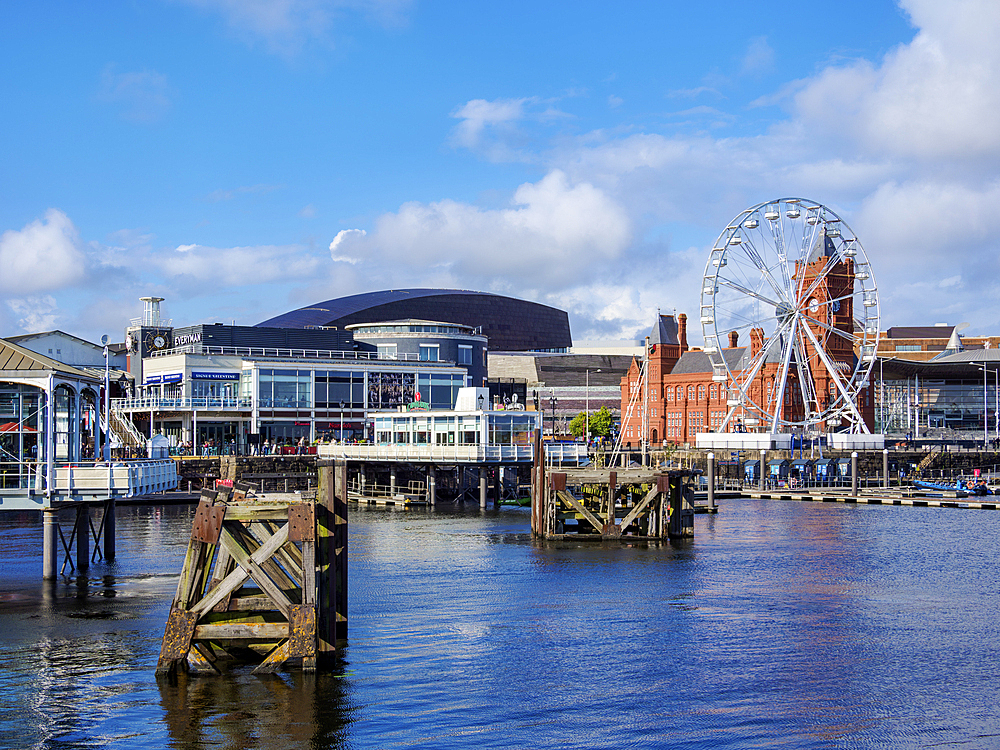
146, 335
828, 308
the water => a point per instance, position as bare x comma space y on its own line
781, 625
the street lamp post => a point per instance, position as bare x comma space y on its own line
342, 404
552, 404
107, 399
586, 434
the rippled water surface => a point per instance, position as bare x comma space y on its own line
780, 625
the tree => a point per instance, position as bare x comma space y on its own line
600, 423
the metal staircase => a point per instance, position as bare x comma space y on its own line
123, 432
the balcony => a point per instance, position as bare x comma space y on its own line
154, 403
257, 352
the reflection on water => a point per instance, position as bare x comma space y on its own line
241, 711
780, 624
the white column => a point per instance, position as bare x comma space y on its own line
77, 443
50, 441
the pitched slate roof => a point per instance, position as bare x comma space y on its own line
14, 357
664, 330
692, 362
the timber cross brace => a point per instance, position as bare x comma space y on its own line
262, 581
617, 505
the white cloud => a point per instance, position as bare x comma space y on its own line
35, 313
285, 26
142, 96
554, 232
45, 255
236, 266
694, 92
933, 98
345, 236
759, 57
227, 195
478, 114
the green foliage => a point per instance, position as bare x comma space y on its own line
601, 422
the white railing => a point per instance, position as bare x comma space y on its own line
556, 453
125, 431
93, 481
252, 352
155, 403
565, 453
436, 453
119, 478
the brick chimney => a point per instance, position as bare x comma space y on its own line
682, 331
756, 341
734, 337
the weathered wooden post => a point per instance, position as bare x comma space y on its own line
269, 578
711, 482
885, 468
612, 489
82, 533
109, 527
854, 474
681, 508
431, 486
331, 530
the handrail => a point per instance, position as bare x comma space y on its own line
167, 403
444, 453
266, 352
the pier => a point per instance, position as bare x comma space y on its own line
264, 578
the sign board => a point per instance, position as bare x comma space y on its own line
215, 376
172, 377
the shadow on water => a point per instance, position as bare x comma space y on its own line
293, 709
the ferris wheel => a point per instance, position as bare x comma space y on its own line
790, 318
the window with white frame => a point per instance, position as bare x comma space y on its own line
387, 351
429, 352
464, 354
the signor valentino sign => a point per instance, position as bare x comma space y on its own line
215, 376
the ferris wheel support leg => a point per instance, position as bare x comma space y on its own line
836, 379
783, 381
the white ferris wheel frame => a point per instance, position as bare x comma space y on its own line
750, 282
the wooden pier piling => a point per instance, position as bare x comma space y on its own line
623, 504
263, 579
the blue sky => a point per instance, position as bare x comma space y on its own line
244, 157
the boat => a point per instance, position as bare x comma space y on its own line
973, 488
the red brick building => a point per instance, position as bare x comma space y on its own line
687, 396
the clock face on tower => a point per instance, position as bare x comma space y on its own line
156, 341
813, 305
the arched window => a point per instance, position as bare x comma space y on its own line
701, 393
670, 394
691, 392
